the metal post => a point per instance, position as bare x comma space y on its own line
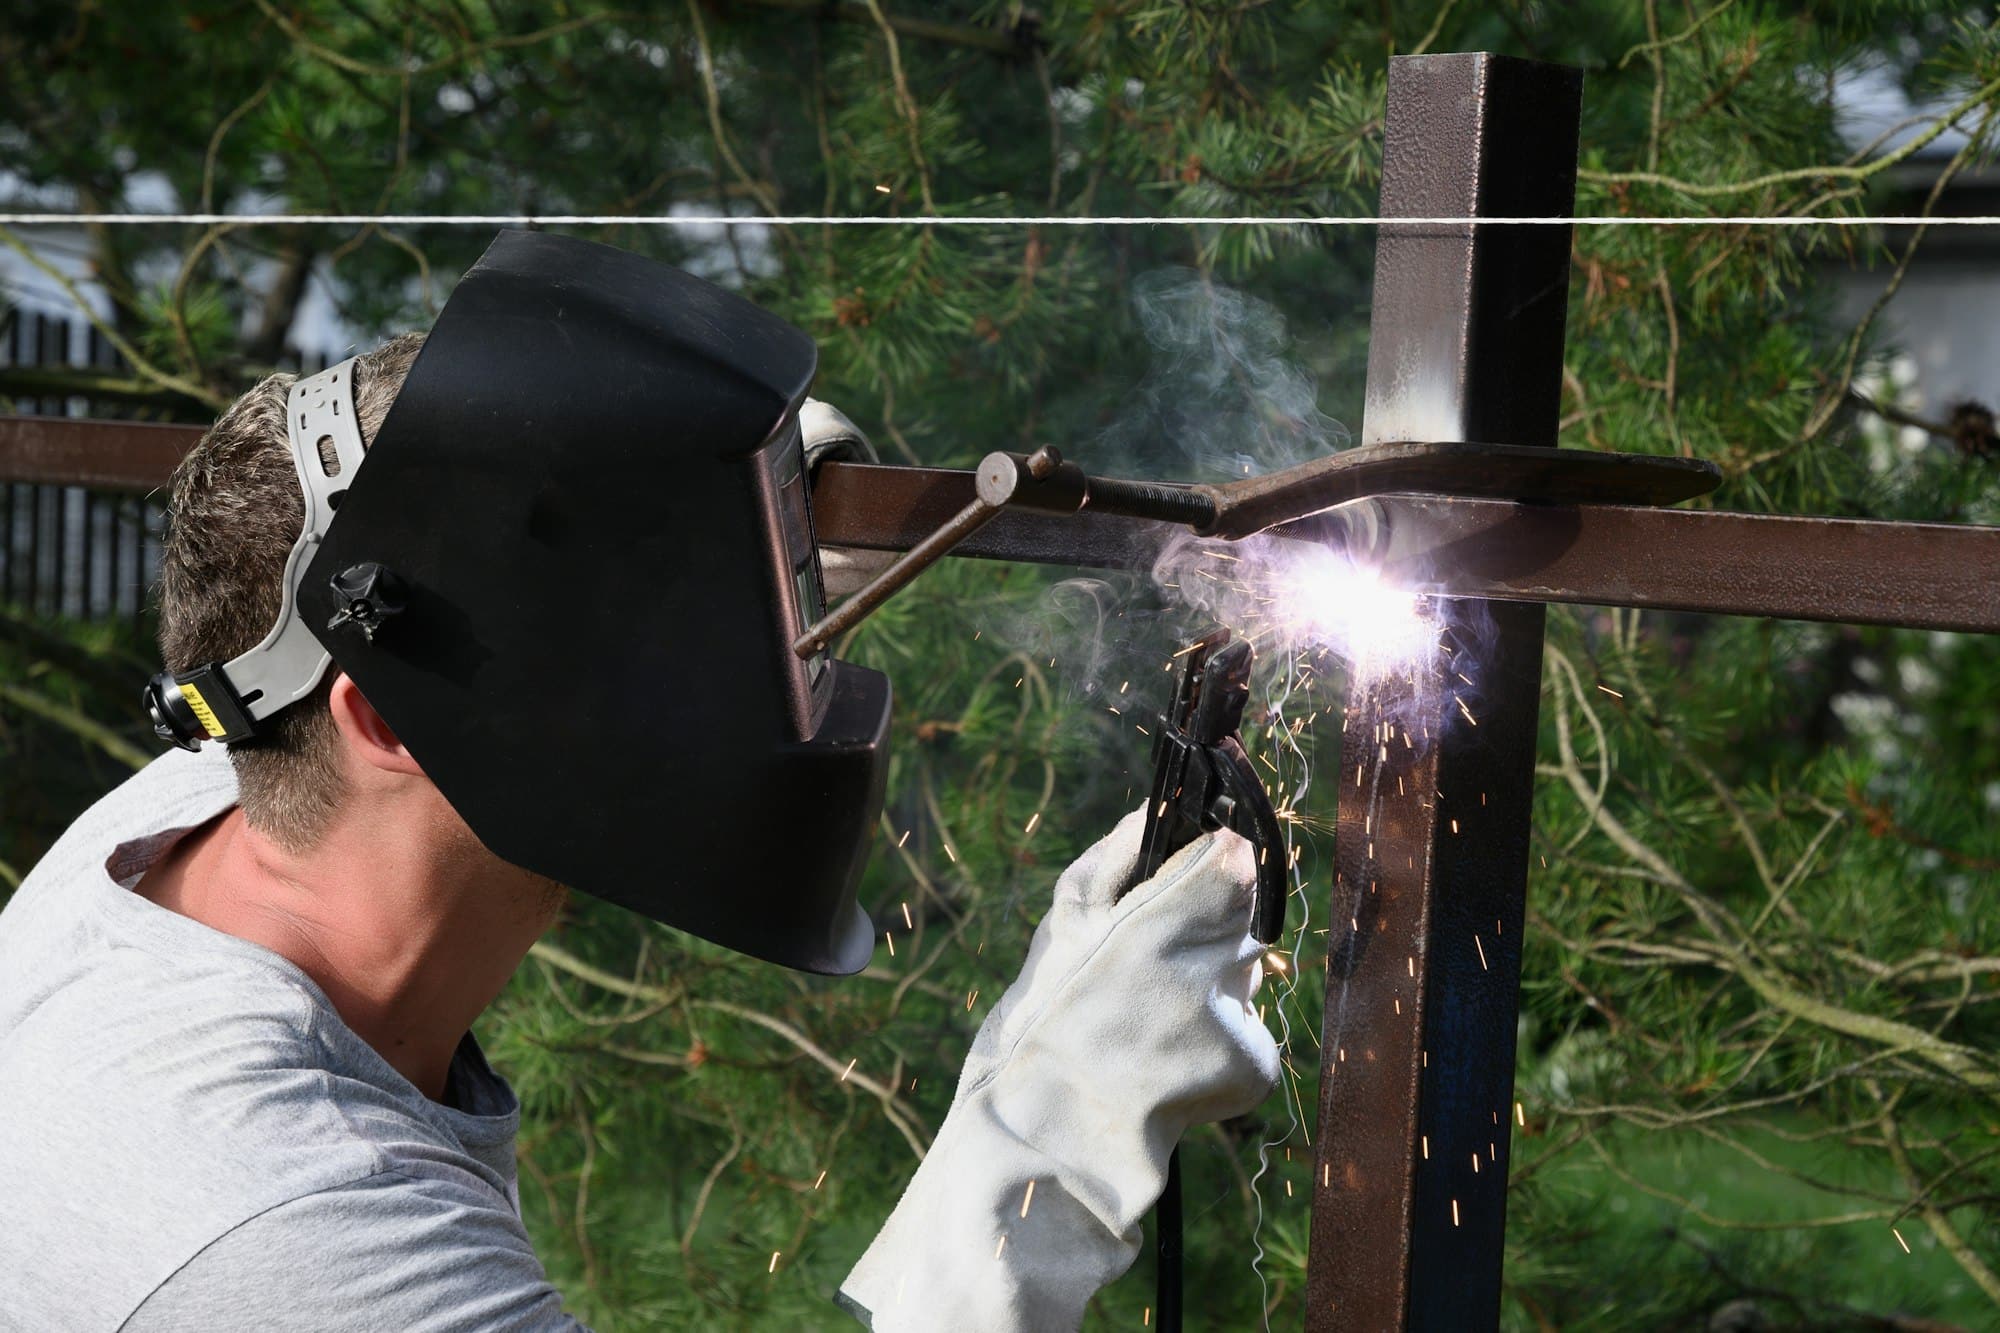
1466, 342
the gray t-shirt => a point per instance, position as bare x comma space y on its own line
191, 1138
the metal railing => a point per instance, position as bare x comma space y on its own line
78, 551
80, 533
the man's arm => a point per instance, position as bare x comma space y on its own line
1133, 1019
417, 1254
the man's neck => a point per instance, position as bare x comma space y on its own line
409, 926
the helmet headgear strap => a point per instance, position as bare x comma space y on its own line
224, 701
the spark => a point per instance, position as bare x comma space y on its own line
890, 940
1475, 1164
1467, 711
1001, 1246
1427, 1147
1033, 820
1899, 1239
907, 923
952, 854
820, 1181
1122, 684
1277, 962
976, 633
1454, 1212
1608, 690
1114, 712
1520, 1115
1482, 954
881, 189
1146, 1321
973, 998
774, 1262
1028, 1198
905, 838
850, 1068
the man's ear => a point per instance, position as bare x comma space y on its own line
364, 732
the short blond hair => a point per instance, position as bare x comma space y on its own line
234, 513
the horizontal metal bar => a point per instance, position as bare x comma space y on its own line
103, 455
1854, 571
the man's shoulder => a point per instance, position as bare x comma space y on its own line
146, 1109
399, 1249
161, 1082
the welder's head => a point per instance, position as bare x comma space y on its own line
235, 511
568, 577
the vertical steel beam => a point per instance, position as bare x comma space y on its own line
1416, 1088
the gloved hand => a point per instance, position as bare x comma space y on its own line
1129, 1023
828, 434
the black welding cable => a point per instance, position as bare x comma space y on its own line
1167, 1244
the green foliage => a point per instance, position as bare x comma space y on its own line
1757, 988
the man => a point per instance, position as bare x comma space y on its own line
237, 1083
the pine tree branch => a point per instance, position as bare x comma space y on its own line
1829, 171
133, 357
1934, 1217
85, 728
907, 1123
1022, 37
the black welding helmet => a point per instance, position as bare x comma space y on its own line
569, 576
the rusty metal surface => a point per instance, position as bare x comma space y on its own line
103, 455
1488, 470
893, 508
1422, 983
1920, 575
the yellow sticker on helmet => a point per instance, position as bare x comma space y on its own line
203, 713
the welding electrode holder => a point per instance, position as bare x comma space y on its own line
1203, 780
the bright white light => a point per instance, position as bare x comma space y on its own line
1326, 598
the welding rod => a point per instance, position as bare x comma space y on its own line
997, 479
1040, 481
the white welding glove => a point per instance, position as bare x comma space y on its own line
1130, 1022
828, 434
